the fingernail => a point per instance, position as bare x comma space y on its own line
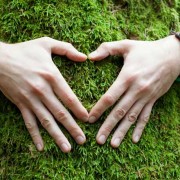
92, 119
85, 119
116, 142
136, 139
102, 139
65, 147
80, 139
91, 55
39, 147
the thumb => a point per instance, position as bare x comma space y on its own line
110, 48
65, 49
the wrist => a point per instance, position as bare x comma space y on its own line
2, 48
1, 52
5, 53
171, 48
176, 46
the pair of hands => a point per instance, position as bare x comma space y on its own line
30, 79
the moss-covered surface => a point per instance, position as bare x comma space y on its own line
87, 23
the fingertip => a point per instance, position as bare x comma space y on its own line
66, 148
85, 116
82, 115
82, 56
81, 139
135, 139
92, 56
115, 142
40, 146
67, 151
92, 119
85, 119
114, 145
101, 139
76, 56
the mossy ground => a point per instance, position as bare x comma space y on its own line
86, 24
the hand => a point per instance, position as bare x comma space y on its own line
149, 70
33, 83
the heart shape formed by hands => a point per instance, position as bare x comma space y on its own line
30, 79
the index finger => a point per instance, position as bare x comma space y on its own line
117, 89
65, 93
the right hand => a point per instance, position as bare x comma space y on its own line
30, 79
149, 70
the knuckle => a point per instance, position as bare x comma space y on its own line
49, 75
108, 99
119, 113
69, 45
46, 123
142, 122
20, 105
61, 116
144, 87
25, 95
38, 89
35, 136
121, 134
132, 117
70, 100
74, 131
30, 126
140, 127
145, 119
107, 129
131, 78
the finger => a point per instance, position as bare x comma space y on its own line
110, 48
32, 127
142, 121
50, 125
110, 97
65, 49
67, 96
125, 125
64, 92
64, 117
115, 116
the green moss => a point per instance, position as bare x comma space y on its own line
86, 24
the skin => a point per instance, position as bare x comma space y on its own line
30, 79
149, 70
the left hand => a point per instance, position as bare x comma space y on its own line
30, 79
149, 70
